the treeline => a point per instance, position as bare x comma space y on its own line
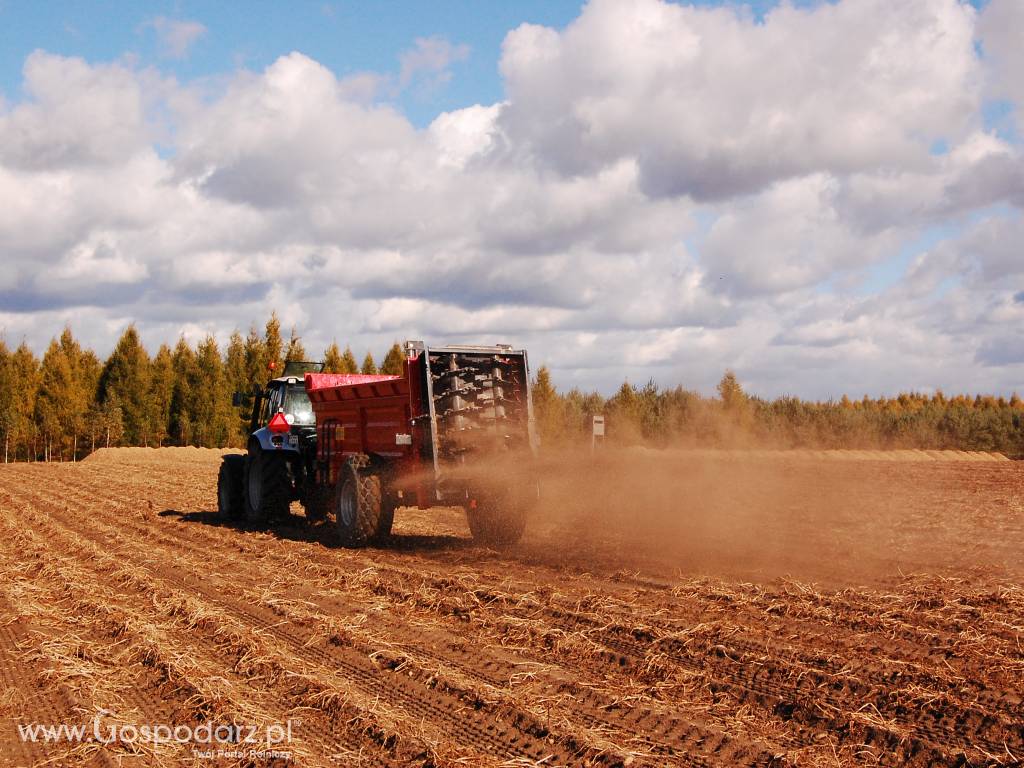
678, 417
69, 403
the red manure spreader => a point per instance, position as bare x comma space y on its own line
455, 429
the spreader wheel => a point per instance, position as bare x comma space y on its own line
498, 518
359, 511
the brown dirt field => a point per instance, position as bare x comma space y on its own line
665, 609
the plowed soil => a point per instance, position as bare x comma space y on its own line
663, 610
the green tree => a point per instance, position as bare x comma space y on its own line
235, 377
181, 418
256, 372
8, 414
348, 362
548, 408
369, 366
112, 421
212, 415
161, 391
394, 361
126, 376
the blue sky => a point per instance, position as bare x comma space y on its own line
348, 37
666, 194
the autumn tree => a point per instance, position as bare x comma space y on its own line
295, 350
394, 361
731, 393
348, 362
24, 367
624, 414
369, 367
332, 359
52, 410
273, 348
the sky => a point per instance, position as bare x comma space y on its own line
825, 197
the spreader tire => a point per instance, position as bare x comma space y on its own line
267, 487
230, 496
359, 511
498, 518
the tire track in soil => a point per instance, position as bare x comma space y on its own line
522, 738
150, 698
675, 736
799, 693
635, 654
313, 727
33, 703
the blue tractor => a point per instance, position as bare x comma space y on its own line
260, 485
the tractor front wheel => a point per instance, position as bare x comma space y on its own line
359, 509
267, 487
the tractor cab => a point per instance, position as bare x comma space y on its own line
285, 395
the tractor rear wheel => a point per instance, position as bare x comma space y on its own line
230, 496
498, 518
358, 509
267, 487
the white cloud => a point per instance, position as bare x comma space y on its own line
790, 236
431, 58
712, 103
176, 36
76, 115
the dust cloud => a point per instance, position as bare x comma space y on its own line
760, 516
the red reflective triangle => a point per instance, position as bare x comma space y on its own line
278, 423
